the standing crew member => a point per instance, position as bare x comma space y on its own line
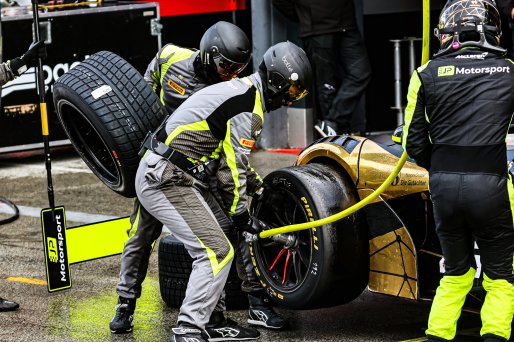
212, 133
338, 56
459, 110
8, 72
176, 73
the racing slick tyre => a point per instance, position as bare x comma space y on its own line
319, 267
175, 266
106, 109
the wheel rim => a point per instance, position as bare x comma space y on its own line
89, 143
285, 267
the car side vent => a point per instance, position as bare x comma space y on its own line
346, 142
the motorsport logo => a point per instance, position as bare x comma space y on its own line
451, 70
54, 236
27, 80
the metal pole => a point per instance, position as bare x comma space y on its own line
234, 18
412, 56
42, 109
397, 82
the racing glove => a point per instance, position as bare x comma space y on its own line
20, 64
259, 193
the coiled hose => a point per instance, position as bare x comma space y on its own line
16, 212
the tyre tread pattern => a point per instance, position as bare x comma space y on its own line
175, 265
127, 112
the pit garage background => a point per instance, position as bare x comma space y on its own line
136, 29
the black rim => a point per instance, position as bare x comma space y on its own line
284, 267
89, 143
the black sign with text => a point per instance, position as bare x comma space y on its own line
56, 257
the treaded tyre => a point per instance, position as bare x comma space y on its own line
175, 265
314, 268
106, 108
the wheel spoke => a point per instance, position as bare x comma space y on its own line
286, 217
303, 258
269, 244
282, 251
286, 266
280, 219
297, 267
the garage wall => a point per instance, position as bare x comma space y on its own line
396, 6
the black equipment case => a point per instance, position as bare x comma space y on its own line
131, 30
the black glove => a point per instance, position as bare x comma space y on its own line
244, 222
20, 64
259, 193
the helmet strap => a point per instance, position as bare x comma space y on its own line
206, 72
273, 99
455, 44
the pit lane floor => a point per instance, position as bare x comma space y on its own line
83, 312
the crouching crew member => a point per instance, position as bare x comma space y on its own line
211, 134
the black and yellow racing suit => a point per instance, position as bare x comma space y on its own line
460, 106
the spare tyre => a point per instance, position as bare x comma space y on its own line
106, 109
175, 266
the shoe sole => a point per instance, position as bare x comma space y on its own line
320, 131
121, 331
263, 324
219, 339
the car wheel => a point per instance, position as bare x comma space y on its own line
175, 266
106, 109
320, 267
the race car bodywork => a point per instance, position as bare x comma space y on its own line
402, 253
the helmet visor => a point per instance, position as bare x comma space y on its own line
296, 92
226, 68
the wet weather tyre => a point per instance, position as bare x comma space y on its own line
175, 265
106, 109
320, 267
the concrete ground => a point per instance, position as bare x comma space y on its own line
83, 312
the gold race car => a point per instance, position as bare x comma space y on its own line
390, 246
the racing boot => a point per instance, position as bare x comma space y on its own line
187, 333
220, 328
121, 323
7, 305
262, 314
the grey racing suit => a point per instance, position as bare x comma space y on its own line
217, 126
172, 74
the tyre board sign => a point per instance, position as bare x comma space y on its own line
56, 256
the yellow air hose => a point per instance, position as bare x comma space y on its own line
359, 205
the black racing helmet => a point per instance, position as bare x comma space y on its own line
287, 74
224, 51
466, 23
